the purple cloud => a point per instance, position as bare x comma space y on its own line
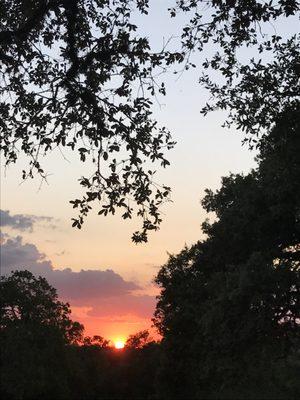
105, 291
21, 222
16, 255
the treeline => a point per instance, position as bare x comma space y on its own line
44, 354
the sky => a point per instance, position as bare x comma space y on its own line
107, 279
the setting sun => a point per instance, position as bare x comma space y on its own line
119, 344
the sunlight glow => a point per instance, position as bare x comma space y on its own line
119, 344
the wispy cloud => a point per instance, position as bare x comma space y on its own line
23, 222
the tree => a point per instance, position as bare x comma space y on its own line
76, 76
27, 299
138, 340
95, 341
253, 90
102, 372
35, 329
141, 358
230, 305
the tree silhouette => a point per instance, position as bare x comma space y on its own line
253, 89
230, 306
76, 75
34, 330
96, 340
138, 340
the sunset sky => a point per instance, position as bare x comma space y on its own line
106, 278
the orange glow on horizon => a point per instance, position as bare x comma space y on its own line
111, 328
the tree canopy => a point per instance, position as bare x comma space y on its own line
28, 300
138, 340
35, 329
252, 89
230, 305
76, 75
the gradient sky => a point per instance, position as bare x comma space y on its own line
106, 278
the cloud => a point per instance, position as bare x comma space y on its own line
87, 287
104, 293
84, 286
16, 255
22, 222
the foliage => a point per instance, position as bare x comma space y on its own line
139, 340
34, 330
255, 90
107, 373
26, 299
96, 341
76, 76
230, 305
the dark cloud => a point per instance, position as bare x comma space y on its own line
90, 286
16, 255
22, 222
105, 291
76, 286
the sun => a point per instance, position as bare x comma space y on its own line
119, 344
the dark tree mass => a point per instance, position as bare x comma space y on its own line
230, 305
75, 74
35, 329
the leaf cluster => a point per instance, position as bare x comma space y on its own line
255, 90
75, 75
